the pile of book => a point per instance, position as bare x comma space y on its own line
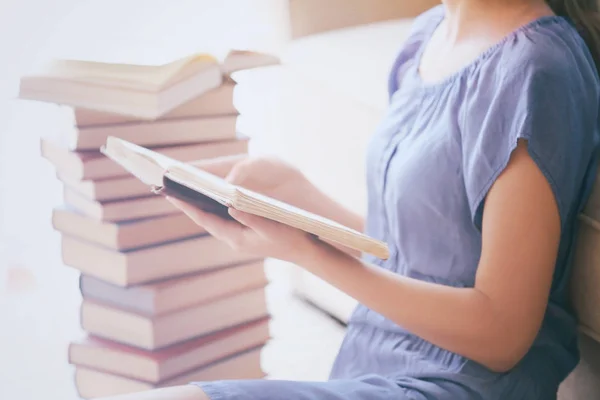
164, 303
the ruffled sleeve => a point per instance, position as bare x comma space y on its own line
545, 102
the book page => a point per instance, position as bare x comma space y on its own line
148, 168
238, 60
203, 182
140, 161
294, 210
153, 76
323, 228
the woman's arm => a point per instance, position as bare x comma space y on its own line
495, 322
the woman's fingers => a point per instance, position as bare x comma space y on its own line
248, 233
228, 231
262, 226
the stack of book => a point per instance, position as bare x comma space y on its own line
164, 303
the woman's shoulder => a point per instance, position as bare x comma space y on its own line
540, 85
548, 51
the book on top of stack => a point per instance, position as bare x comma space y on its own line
145, 89
164, 303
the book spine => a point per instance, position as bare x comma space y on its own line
204, 203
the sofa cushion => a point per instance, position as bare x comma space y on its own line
354, 61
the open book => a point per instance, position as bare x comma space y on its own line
145, 90
213, 194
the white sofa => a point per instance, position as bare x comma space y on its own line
318, 110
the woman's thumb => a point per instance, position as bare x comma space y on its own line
220, 166
237, 174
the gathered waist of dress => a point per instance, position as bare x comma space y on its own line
391, 350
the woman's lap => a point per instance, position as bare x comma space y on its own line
369, 387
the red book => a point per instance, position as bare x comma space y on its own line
152, 333
160, 366
93, 384
171, 295
150, 264
125, 235
119, 210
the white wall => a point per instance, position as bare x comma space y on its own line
24, 28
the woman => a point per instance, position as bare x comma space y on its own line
475, 179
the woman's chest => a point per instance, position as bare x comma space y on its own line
417, 195
416, 154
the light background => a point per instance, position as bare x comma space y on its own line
38, 296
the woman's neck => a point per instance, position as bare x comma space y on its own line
467, 17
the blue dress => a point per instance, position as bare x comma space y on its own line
430, 165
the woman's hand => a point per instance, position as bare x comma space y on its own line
277, 179
254, 235
265, 175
